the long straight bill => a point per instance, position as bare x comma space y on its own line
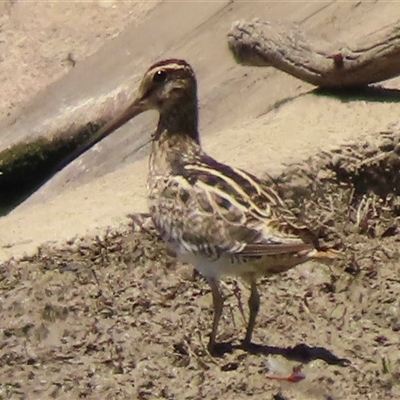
132, 111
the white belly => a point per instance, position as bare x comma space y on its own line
221, 267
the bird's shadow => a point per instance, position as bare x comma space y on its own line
301, 352
372, 93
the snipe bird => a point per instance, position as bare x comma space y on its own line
220, 219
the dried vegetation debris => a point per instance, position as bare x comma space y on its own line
352, 189
114, 316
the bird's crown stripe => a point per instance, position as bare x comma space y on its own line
172, 66
170, 61
169, 68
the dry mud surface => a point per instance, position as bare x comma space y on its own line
113, 316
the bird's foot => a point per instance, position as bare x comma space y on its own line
247, 344
219, 349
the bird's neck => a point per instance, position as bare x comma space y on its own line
176, 140
179, 119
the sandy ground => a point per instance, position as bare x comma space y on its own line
111, 316
278, 120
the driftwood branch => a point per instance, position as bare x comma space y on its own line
373, 58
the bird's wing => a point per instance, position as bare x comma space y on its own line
226, 210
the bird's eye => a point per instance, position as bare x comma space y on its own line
160, 77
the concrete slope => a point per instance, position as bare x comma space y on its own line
239, 121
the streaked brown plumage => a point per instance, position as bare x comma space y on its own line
218, 218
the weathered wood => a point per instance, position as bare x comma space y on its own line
373, 58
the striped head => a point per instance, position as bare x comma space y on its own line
165, 83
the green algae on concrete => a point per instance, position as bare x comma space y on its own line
24, 167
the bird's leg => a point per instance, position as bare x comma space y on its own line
238, 295
254, 306
218, 303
